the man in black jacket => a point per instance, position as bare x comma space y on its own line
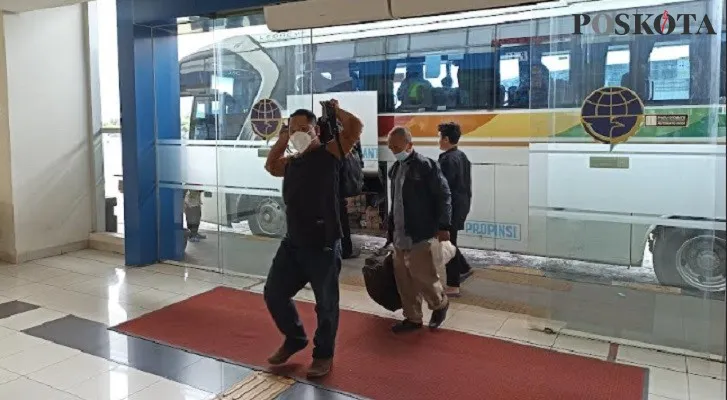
311, 249
458, 172
420, 213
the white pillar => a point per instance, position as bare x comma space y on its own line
49, 172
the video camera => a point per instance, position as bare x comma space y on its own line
328, 124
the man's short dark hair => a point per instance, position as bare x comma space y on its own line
451, 131
309, 115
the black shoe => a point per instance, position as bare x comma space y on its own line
406, 326
438, 317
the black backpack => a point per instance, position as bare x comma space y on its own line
351, 179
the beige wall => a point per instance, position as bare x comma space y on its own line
47, 188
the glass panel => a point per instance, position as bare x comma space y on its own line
253, 65
186, 159
578, 234
645, 260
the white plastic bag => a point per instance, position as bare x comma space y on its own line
442, 252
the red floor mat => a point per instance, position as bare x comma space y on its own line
372, 362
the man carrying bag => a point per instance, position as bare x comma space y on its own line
351, 184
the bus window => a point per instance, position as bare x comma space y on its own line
203, 121
376, 75
512, 76
669, 71
427, 83
618, 59
332, 71
477, 80
557, 64
332, 76
412, 90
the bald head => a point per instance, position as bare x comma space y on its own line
400, 140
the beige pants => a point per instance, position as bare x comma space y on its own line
417, 278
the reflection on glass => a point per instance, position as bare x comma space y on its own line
617, 66
541, 185
669, 71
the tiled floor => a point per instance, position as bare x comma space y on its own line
54, 342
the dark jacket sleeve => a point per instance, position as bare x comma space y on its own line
439, 188
390, 217
449, 169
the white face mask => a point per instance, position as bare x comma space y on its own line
300, 141
402, 156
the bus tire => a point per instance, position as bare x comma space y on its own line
268, 219
690, 259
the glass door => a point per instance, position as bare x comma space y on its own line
188, 124
260, 78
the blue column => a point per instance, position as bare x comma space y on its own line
168, 124
142, 56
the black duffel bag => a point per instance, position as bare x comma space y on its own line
378, 273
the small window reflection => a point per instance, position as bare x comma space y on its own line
669, 71
617, 66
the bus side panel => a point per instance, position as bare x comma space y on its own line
214, 208
593, 203
567, 236
635, 179
479, 229
511, 208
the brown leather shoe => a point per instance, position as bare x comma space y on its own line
319, 368
282, 355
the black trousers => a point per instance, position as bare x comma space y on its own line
346, 243
293, 267
458, 265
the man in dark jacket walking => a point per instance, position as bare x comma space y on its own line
420, 213
457, 170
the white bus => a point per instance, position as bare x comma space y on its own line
515, 82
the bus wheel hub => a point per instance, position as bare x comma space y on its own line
270, 217
701, 262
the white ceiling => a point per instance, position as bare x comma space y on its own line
17, 6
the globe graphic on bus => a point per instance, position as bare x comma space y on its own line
612, 114
266, 118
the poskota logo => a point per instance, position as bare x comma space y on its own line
642, 24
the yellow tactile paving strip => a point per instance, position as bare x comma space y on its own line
258, 386
526, 279
517, 270
648, 287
